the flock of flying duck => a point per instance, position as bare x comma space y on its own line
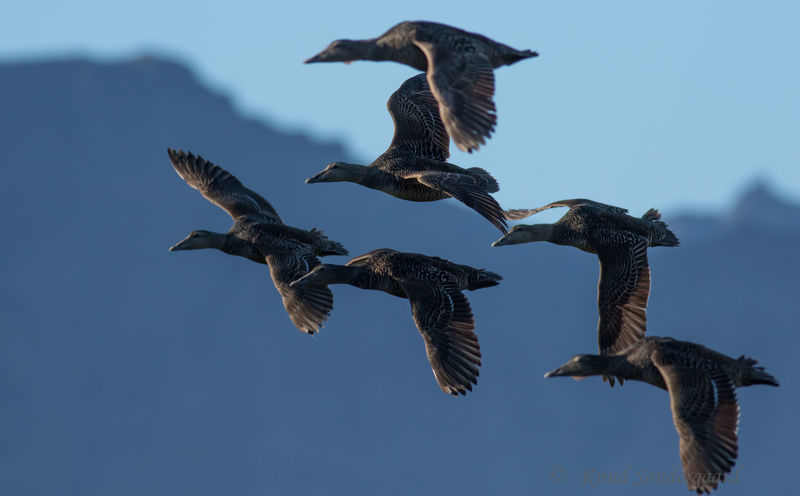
452, 98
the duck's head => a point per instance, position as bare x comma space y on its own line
525, 234
338, 171
196, 240
340, 51
323, 274
579, 366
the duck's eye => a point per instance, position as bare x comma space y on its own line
334, 166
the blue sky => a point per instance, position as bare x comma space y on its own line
639, 104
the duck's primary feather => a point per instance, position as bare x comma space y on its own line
221, 188
706, 416
462, 80
444, 319
308, 307
622, 294
418, 127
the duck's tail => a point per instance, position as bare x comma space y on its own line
652, 214
750, 374
516, 55
667, 237
325, 246
482, 278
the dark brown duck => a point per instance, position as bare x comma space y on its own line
434, 288
460, 69
259, 234
620, 242
415, 166
701, 384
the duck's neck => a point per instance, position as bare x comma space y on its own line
234, 245
219, 241
201, 240
372, 50
224, 242
341, 274
371, 177
539, 232
617, 365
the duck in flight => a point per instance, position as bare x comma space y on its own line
415, 166
701, 385
460, 69
259, 234
434, 288
620, 242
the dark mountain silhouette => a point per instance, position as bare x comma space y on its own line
757, 210
127, 369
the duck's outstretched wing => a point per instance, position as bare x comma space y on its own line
309, 305
706, 416
465, 188
462, 80
418, 128
220, 187
444, 318
622, 295
521, 213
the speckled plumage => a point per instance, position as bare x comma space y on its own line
259, 234
620, 241
441, 313
701, 385
415, 166
460, 69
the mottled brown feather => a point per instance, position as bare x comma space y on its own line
521, 213
463, 83
444, 319
220, 187
465, 189
706, 416
308, 306
418, 127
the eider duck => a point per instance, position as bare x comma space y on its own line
415, 166
434, 288
701, 385
460, 69
620, 242
259, 234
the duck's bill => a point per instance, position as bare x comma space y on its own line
563, 371
303, 281
552, 373
501, 242
317, 178
181, 245
320, 58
